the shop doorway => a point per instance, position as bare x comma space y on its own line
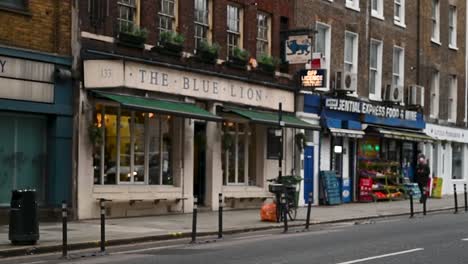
199, 162
352, 169
308, 172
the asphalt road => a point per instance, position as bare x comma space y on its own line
437, 238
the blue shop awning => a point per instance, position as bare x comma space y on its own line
343, 128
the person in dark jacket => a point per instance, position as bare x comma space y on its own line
422, 176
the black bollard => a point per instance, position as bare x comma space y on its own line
411, 204
64, 230
285, 212
455, 197
466, 201
424, 206
194, 220
103, 225
220, 216
309, 205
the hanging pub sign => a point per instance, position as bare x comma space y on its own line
297, 49
314, 78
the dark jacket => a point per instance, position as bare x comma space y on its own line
422, 173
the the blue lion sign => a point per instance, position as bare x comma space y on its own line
298, 49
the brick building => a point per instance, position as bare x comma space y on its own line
374, 111
36, 100
180, 117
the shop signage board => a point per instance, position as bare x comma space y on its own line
447, 133
437, 187
26, 80
314, 78
111, 73
298, 49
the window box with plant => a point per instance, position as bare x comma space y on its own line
267, 63
239, 58
207, 53
170, 43
133, 36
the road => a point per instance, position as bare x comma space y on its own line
436, 238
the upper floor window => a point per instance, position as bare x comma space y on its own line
435, 17
375, 70
17, 4
452, 26
435, 82
353, 4
452, 99
233, 28
323, 46
202, 23
127, 14
399, 12
167, 15
351, 52
377, 8
398, 66
263, 34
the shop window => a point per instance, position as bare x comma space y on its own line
167, 15
274, 143
127, 18
234, 32
457, 159
236, 139
16, 4
135, 149
202, 23
263, 34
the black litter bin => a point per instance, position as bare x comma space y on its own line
24, 225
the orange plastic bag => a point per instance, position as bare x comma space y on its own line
268, 212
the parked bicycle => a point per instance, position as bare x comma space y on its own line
289, 186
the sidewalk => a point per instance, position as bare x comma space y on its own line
85, 234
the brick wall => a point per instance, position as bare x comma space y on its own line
45, 26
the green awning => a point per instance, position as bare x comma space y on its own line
270, 118
160, 106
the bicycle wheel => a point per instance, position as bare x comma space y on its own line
292, 212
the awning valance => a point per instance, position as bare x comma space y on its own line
340, 132
270, 118
160, 106
403, 134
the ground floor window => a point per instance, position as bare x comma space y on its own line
457, 159
135, 147
23, 142
237, 147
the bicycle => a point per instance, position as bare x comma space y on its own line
289, 190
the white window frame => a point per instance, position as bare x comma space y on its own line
401, 60
168, 16
399, 20
435, 89
202, 20
377, 95
236, 136
353, 4
452, 31
260, 39
435, 20
355, 43
377, 11
327, 55
233, 32
452, 99
135, 9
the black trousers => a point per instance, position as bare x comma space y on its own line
422, 188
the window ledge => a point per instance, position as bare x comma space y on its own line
437, 42
357, 9
353, 94
453, 47
375, 98
433, 116
451, 121
378, 16
324, 89
398, 23
24, 12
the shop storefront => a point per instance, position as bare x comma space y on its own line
36, 117
447, 155
163, 136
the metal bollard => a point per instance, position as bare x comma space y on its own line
411, 204
194, 219
103, 225
64, 230
220, 216
309, 205
424, 206
285, 212
466, 201
455, 197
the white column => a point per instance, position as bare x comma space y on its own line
187, 170
214, 174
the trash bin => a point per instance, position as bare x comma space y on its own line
24, 224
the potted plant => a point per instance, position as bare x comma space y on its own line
132, 35
207, 52
267, 63
171, 43
239, 58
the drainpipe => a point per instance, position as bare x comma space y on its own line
466, 73
418, 43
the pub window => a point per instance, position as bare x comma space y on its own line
127, 18
234, 37
17, 4
135, 147
236, 139
457, 160
167, 15
202, 25
263, 34
274, 146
